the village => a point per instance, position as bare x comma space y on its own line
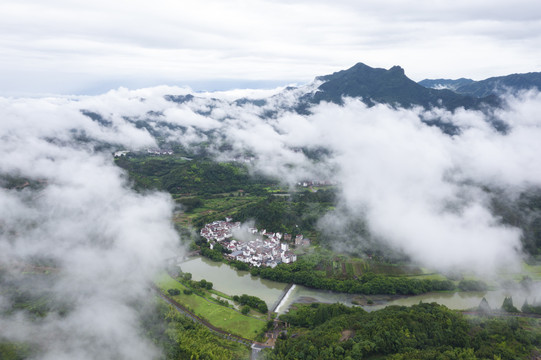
266, 249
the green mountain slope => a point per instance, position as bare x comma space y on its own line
375, 85
492, 86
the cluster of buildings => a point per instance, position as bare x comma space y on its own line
307, 183
149, 151
159, 152
121, 153
266, 249
219, 230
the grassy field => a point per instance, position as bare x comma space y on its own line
342, 266
533, 271
220, 316
219, 207
432, 276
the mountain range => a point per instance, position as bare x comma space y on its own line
393, 87
492, 86
374, 85
381, 86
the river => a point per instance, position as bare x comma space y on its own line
231, 281
234, 282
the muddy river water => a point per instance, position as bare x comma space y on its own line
234, 282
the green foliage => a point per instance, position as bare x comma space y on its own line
305, 272
222, 302
187, 276
15, 351
531, 309
523, 212
508, 305
205, 284
214, 254
198, 176
245, 310
239, 265
310, 316
252, 301
472, 285
22, 295
424, 331
297, 214
173, 292
180, 338
437, 354
189, 204
207, 307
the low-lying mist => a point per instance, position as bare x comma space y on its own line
67, 211
416, 189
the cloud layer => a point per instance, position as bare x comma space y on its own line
417, 189
77, 214
77, 47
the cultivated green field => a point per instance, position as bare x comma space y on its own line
216, 207
220, 316
534, 271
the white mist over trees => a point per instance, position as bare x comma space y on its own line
418, 190
78, 215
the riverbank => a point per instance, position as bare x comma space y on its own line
221, 317
231, 281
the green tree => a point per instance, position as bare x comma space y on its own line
173, 292
508, 305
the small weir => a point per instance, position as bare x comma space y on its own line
283, 297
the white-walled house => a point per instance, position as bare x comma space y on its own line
268, 251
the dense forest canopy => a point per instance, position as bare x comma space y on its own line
424, 331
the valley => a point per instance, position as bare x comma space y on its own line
362, 215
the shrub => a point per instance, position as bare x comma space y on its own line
472, 285
173, 292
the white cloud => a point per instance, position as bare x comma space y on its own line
49, 48
106, 240
418, 190
186, 117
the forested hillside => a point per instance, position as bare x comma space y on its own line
424, 331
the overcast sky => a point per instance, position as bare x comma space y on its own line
88, 47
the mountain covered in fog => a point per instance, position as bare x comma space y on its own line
392, 86
361, 82
450, 84
492, 86
90, 186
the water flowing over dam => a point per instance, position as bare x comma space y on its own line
282, 299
